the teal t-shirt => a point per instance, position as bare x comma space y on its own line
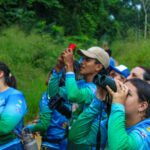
117, 136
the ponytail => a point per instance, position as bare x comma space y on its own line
10, 80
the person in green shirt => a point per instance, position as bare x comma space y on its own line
128, 126
94, 60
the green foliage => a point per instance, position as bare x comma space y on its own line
82, 41
19, 52
47, 3
97, 19
43, 28
57, 31
132, 53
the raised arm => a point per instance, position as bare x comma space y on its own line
53, 84
77, 91
118, 136
116, 128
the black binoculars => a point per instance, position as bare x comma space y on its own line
104, 80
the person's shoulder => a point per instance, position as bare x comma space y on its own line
15, 91
44, 94
44, 98
143, 124
81, 81
143, 128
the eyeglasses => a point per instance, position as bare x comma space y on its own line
88, 59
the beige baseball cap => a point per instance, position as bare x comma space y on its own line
97, 53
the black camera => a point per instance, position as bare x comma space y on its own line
104, 80
57, 102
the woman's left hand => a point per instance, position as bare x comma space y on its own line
121, 94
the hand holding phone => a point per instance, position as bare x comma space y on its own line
72, 46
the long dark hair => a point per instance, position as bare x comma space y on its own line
10, 80
143, 92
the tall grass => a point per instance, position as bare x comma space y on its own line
132, 53
31, 56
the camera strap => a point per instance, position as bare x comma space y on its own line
108, 101
98, 139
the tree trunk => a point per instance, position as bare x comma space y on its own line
145, 4
145, 27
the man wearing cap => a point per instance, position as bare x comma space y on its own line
94, 60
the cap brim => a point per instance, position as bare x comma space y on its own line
115, 69
125, 73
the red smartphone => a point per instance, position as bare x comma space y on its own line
72, 46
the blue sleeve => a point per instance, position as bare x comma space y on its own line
13, 113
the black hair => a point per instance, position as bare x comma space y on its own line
10, 80
143, 92
109, 52
103, 71
146, 75
97, 61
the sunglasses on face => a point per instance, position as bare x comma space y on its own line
87, 59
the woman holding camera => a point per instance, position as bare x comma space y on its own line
128, 125
12, 110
